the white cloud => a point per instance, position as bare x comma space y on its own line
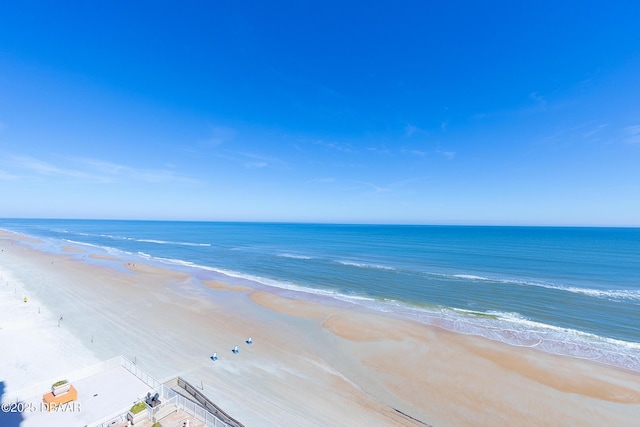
410, 129
110, 171
41, 167
7, 176
252, 160
376, 189
594, 131
448, 154
320, 181
343, 148
219, 135
539, 99
381, 150
633, 133
254, 165
92, 170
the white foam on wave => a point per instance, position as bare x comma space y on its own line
157, 241
108, 249
514, 329
91, 245
615, 294
470, 277
611, 294
365, 265
280, 284
294, 256
166, 242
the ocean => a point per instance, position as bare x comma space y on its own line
563, 290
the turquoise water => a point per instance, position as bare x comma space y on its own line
573, 291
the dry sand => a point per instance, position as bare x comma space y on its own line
312, 364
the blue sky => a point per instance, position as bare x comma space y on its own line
367, 112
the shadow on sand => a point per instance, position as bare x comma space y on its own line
9, 415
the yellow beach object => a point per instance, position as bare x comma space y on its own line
25, 299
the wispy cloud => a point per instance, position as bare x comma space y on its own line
392, 187
360, 188
411, 130
341, 147
538, 99
320, 181
375, 188
418, 153
255, 165
379, 150
592, 132
111, 171
633, 134
533, 104
578, 134
258, 161
7, 176
448, 154
219, 135
41, 167
91, 170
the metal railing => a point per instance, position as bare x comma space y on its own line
193, 409
207, 404
139, 373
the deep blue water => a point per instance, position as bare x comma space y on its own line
564, 290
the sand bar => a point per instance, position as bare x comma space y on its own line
105, 257
72, 249
216, 284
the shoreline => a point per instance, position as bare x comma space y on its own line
499, 326
368, 367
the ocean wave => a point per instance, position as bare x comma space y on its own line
177, 262
469, 277
165, 242
514, 329
509, 327
156, 241
611, 294
287, 255
91, 245
614, 294
365, 265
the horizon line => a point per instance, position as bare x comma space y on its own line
408, 224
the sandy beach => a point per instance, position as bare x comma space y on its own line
309, 364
